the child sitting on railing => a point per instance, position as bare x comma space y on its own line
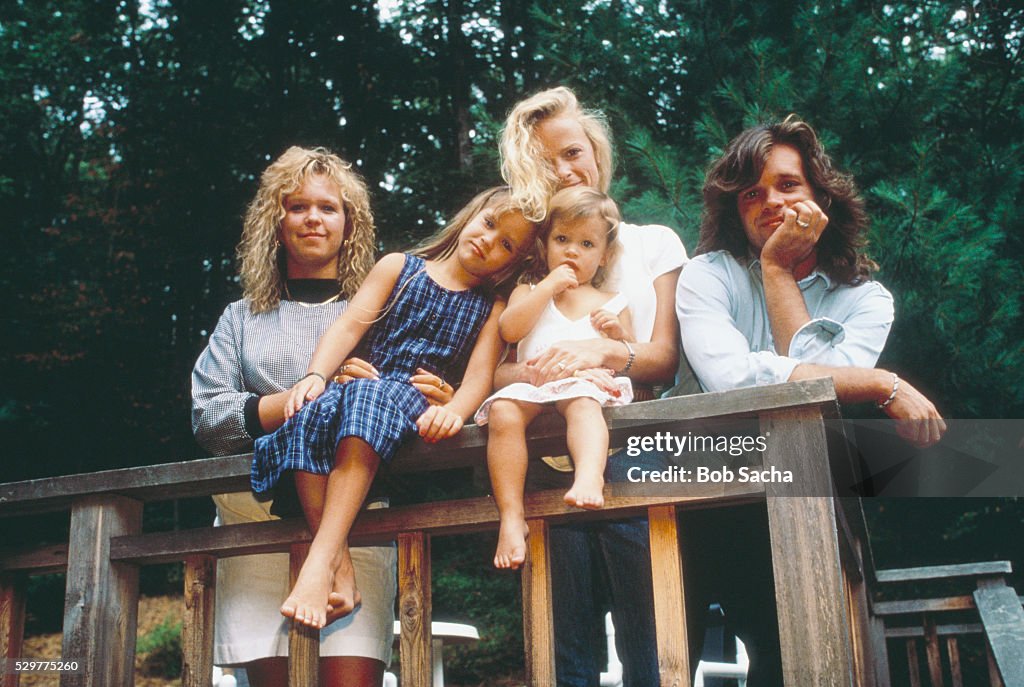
579, 245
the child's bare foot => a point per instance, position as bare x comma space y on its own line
511, 552
586, 492
344, 596
307, 602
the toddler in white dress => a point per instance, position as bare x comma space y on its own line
579, 244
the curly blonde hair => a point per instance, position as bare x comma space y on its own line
524, 164
573, 203
263, 258
443, 244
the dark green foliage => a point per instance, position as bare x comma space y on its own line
160, 650
467, 589
132, 136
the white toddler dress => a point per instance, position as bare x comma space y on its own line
552, 327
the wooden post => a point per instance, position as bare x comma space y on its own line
303, 640
865, 664
993, 669
101, 600
669, 602
197, 630
12, 622
955, 673
1003, 619
414, 608
538, 620
913, 667
805, 552
932, 652
879, 650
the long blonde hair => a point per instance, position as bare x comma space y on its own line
577, 202
443, 244
524, 164
263, 258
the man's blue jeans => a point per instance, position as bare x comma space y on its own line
605, 565
599, 566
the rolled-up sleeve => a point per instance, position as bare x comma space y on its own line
218, 393
857, 340
716, 348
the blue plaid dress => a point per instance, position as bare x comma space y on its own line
425, 325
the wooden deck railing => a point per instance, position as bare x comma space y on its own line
820, 571
996, 619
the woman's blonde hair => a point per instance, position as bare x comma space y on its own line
443, 244
524, 163
263, 258
579, 202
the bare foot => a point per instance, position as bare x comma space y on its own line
344, 596
511, 552
586, 492
307, 602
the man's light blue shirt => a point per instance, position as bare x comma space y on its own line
727, 336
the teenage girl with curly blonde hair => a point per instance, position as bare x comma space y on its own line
307, 245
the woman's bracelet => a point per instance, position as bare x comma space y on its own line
313, 374
629, 360
895, 387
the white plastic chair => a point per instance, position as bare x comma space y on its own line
737, 670
613, 676
222, 680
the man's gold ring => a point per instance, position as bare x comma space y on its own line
803, 225
344, 369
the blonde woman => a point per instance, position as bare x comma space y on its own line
550, 142
307, 244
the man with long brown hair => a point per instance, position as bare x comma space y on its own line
780, 289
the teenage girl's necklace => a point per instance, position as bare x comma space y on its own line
309, 305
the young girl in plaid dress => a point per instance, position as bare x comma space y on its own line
422, 310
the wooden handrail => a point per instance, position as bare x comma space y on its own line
998, 607
208, 476
809, 562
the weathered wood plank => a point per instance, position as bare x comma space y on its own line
949, 603
197, 629
145, 483
913, 667
231, 473
879, 651
12, 622
858, 615
1003, 618
669, 602
414, 608
955, 672
50, 558
303, 640
942, 630
933, 656
936, 572
993, 670
381, 525
805, 553
538, 621
101, 601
